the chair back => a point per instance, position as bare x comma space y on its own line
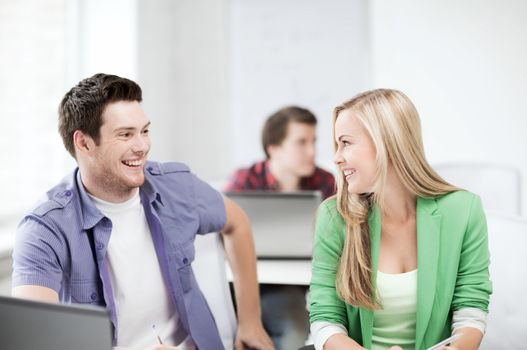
498, 186
507, 319
209, 270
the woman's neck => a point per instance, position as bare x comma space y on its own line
399, 203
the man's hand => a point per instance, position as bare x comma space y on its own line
253, 337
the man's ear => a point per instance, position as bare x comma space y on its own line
82, 142
271, 150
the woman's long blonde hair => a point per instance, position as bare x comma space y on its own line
392, 122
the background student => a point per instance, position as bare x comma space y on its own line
288, 140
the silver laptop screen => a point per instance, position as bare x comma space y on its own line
29, 325
282, 223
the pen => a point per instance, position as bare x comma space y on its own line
156, 334
445, 342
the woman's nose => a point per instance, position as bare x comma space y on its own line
337, 158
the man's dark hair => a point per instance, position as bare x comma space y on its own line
82, 107
275, 127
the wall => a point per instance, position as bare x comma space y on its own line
213, 71
181, 55
311, 53
463, 64
106, 33
32, 64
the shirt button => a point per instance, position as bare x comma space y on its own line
149, 168
100, 246
67, 193
185, 261
93, 296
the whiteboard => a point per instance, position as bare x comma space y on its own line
310, 53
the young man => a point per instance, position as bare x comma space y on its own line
288, 140
119, 230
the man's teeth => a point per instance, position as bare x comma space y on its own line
349, 172
133, 162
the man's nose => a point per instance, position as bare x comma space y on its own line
312, 150
141, 144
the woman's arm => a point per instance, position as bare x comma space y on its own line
473, 285
326, 308
341, 341
470, 340
322, 332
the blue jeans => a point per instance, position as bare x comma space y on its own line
284, 315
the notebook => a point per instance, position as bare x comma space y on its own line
282, 223
30, 325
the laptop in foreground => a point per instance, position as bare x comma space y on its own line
30, 325
282, 223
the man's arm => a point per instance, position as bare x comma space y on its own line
239, 249
37, 293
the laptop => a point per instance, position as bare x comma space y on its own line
30, 325
283, 224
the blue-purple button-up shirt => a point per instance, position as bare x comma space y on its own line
61, 244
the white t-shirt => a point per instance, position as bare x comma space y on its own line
140, 294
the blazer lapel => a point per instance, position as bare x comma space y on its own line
428, 223
366, 316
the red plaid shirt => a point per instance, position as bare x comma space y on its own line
258, 177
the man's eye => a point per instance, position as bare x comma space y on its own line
124, 134
302, 142
146, 131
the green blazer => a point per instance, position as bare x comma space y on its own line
452, 262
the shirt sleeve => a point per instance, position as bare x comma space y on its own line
325, 305
322, 331
469, 317
473, 286
209, 206
37, 255
237, 181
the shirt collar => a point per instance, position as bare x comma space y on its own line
90, 214
149, 188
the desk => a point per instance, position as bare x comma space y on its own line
297, 272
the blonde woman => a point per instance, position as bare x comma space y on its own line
401, 256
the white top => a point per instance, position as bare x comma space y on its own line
394, 324
139, 290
